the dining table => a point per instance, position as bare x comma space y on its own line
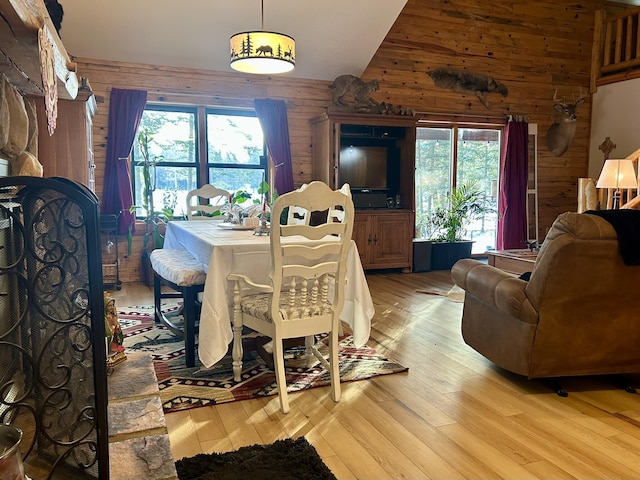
222, 248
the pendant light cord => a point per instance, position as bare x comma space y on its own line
262, 15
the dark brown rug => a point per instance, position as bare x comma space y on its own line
286, 459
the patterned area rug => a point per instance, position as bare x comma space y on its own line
182, 388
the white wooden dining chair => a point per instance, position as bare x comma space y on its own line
305, 293
298, 216
215, 198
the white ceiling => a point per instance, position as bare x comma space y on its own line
333, 37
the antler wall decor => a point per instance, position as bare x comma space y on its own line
561, 133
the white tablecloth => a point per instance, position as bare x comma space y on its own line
222, 252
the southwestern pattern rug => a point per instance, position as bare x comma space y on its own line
182, 388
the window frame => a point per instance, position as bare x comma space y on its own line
201, 164
206, 166
455, 125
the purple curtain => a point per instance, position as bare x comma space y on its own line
125, 113
273, 118
512, 208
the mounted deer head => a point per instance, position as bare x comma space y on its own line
560, 134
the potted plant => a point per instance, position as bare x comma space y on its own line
447, 225
154, 220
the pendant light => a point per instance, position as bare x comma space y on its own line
262, 52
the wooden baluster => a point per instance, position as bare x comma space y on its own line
291, 311
629, 41
636, 32
304, 303
608, 42
618, 53
324, 295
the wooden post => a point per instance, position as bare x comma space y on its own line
596, 50
587, 195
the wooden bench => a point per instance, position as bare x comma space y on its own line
177, 269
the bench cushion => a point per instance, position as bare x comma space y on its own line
177, 266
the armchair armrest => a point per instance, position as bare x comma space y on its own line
258, 287
494, 287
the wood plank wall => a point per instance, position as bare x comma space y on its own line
305, 99
533, 47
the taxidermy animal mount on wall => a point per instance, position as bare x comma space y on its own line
461, 81
561, 133
353, 95
350, 85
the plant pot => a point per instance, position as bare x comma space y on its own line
421, 255
445, 254
147, 269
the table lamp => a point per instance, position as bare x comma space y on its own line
617, 173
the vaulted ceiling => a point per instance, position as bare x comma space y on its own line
333, 37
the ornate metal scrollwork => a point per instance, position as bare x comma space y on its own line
52, 349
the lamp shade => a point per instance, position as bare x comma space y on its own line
617, 174
262, 52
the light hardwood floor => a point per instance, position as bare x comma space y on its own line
452, 415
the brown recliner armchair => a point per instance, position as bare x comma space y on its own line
577, 315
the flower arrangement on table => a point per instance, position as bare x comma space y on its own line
232, 210
236, 212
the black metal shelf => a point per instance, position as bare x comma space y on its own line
110, 257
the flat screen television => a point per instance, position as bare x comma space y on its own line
364, 166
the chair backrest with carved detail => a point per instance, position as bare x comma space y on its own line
309, 261
215, 197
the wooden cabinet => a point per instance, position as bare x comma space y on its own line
384, 238
332, 132
68, 152
381, 177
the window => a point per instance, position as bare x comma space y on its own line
228, 152
236, 154
442, 164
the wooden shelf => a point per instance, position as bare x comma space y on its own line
383, 236
19, 52
513, 261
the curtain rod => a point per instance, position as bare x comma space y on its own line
204, 95
195, 94
518, 118
503, 117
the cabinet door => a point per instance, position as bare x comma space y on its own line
363, 238
65, 153
392, 240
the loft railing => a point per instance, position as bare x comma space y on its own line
616, 47
632, 195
